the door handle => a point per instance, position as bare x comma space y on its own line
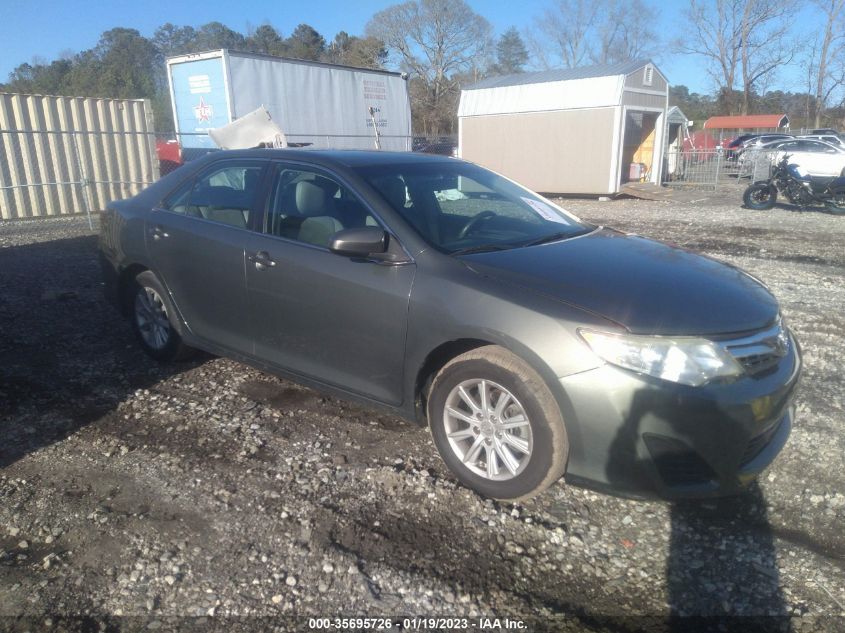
157, 233
262, 260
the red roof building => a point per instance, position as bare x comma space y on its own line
748, 122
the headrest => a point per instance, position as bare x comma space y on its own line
310, 199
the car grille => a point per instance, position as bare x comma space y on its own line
755, 364
677, 463
760, 353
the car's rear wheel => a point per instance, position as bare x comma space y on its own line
496, 424
151, 315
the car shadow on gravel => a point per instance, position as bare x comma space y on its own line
67, 357
721, 562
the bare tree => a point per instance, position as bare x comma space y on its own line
573, 33
566, 28
742, 41
622, 39
824, 73
765, 43
714, 35
436, 41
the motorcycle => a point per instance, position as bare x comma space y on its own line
799, 189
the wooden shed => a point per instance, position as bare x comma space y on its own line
581, 130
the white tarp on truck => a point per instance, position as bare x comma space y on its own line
323, 105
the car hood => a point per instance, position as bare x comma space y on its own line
646, 286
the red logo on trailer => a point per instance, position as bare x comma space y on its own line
203, 111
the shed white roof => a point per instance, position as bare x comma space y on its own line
564, 89
560, 74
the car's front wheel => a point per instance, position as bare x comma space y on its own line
497, 425
151, 320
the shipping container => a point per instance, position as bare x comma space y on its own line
69, 155
315, 104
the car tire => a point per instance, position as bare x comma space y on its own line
152, 317
524, 435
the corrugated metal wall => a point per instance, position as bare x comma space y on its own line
64, 155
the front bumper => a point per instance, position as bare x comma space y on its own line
643, 437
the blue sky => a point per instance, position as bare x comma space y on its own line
45, 28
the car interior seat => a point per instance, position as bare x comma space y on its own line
315, 204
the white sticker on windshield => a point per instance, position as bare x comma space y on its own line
545, 211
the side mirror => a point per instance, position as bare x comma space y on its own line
359, 242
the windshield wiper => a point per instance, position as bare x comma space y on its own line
482, 248
553, 237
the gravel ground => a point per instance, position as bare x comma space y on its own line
210, 488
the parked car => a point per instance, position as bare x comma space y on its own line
732, 145
746, 157
825, 130
815, 158
759, 140
827, 138
531, 343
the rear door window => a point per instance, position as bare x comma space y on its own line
225, 193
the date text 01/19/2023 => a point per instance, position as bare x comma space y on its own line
417, 624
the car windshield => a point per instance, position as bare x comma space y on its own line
458, 207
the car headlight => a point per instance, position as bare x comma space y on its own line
688, 361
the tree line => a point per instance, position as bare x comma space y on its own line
742, 45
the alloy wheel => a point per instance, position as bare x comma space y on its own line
151, 317
488, 429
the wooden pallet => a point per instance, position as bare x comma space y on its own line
647, 191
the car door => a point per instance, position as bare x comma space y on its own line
196, 241
336, 319
825, 160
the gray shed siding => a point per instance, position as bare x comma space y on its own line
643, 100
566, 151
635, 80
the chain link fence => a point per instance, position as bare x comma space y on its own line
54, 173
50, 173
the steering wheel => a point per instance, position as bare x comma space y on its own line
470, 226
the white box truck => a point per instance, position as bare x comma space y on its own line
316, 104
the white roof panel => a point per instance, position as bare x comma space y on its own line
592, 92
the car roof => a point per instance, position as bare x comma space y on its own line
321, 158
761, 137
814, 140
348, 157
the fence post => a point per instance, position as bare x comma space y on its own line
718, 169
83, 180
